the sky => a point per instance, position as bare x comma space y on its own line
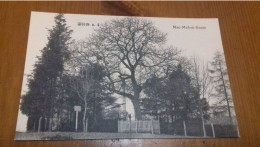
196, 37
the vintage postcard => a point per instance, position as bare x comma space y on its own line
116, 77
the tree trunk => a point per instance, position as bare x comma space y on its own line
84, 118
39, 124
51, 103
202, 120
135, 100
136, 104
86, 125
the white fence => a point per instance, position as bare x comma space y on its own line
142, 126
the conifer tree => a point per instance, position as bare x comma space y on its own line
46, 77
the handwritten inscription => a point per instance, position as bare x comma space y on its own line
87, 24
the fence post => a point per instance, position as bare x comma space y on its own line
118, 126
159, 126
184, 126
130, 126
213, 131
136, 125
45, 124
39, 125
152, 126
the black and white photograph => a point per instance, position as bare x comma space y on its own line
122, 77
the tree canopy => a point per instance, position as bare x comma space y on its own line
132, 51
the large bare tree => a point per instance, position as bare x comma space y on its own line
132, 51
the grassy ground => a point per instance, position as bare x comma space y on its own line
89, 135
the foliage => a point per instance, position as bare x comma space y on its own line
173, 97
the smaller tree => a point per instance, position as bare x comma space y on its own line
181, 95
89, 89
173, 98
221, 81
203, 84
154, 104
